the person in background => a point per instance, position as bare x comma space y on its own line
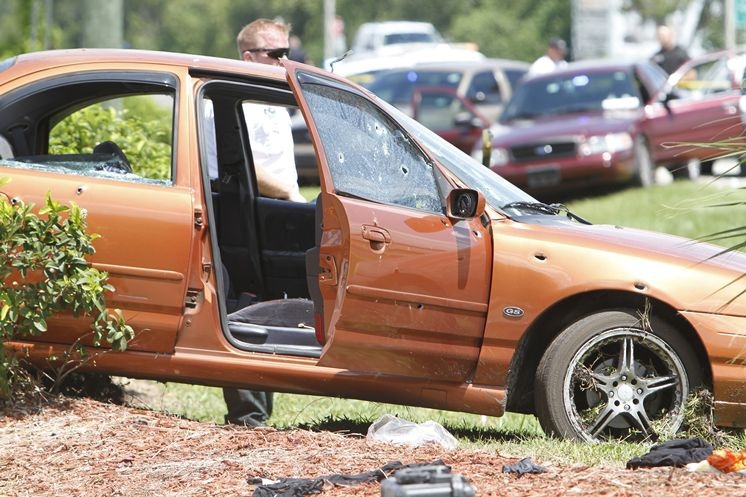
269, 126
554, 58
297, 52
267, 42
670, 56
339, 39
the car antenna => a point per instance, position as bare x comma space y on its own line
339, 59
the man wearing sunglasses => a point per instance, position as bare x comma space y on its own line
264, 41
275, 54
267, 42
270, 134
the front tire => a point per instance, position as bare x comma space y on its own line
608, 376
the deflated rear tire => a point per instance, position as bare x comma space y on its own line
610, 375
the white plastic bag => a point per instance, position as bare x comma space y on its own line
396, 430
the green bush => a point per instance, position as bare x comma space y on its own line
44, 272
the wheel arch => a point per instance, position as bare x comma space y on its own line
533, 344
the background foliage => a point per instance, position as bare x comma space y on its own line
140, 127
502, 28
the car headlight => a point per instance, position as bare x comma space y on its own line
498, 157
612, 142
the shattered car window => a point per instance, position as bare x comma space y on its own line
368, 154
103, 167
496, 189
124, 138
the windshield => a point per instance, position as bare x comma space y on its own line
496, 190
396, 38
396, 87
568, 93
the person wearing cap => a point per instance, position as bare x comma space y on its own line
554, 58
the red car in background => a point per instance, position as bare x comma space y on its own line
488, 84
607, 122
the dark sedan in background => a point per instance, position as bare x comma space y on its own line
456, 99
608, 123
487, 84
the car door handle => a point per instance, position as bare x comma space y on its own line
377, 236
327, 270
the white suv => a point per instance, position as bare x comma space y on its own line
371, 36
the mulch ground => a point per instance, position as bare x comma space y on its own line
82, 447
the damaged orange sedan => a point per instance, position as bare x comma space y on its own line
431, 280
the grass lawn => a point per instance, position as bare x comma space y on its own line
690, 209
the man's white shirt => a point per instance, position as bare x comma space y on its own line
270, 137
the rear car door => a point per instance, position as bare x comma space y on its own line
146, 219
404, 288
702, 108
454, 118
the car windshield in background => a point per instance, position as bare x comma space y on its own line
515, 76
394, 38
396, 87
579, 92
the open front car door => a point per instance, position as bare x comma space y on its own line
404, 281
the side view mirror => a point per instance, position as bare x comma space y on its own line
465, 203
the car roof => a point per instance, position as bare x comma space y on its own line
398, 26
35, 61
592, 65
404, 56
